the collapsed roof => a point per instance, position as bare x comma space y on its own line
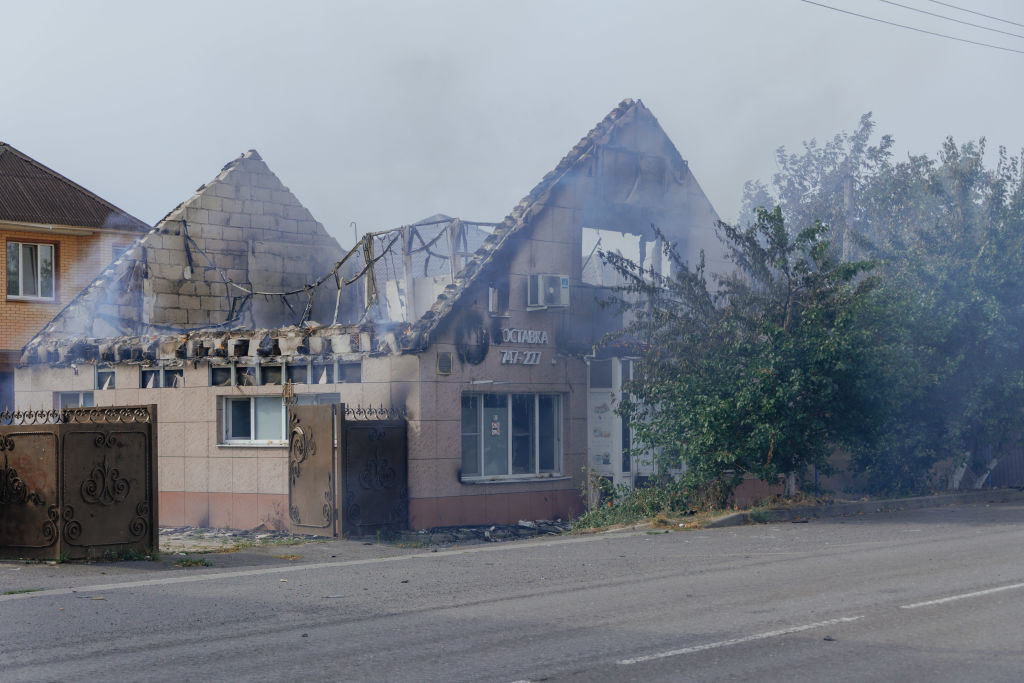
243, 257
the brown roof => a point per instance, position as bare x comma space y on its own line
33, 193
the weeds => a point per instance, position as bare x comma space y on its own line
624, 505
22, 590
193, 562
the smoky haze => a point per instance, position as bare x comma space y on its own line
384, 113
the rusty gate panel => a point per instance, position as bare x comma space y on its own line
374, 476
106, 481
28, 491
78, 483
311, 470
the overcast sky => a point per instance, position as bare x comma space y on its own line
383, 113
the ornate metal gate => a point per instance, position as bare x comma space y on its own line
78, 483
312, 469
347, 470
374, 475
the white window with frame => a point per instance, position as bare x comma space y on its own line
73, 399
263, 420
511, 435
30, 273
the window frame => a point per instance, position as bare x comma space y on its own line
59, 397
481, 429
52, 246
337, 369
225, 403
98, 385
163, 373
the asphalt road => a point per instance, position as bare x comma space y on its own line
934, 594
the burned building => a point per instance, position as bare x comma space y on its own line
239, 305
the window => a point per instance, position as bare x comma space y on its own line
161, 378
74, 399
263, 419
105, 380
30, 271
295, 372
511, 435
497, 298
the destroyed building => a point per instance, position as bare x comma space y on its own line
239, 304
56, 237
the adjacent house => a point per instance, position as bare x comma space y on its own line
57, 236
481, 335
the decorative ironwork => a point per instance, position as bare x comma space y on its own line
111, 415
13, 490
105, 486
302, 446
377, 474
374, 476
140, 522
51, 524
89, 487
311, 497
72, 527
372, 413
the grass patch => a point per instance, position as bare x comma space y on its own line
288, 557
22, 590
624, 505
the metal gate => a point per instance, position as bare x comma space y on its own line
78, 483
347, 470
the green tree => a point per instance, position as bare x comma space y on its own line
764, 373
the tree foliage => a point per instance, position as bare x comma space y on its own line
761, 374
878, 309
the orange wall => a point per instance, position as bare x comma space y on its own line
80, 258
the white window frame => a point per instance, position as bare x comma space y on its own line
559, 444
39, 271
86, 399
302, 399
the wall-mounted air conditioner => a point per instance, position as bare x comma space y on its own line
548, 291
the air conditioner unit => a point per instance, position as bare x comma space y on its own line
548, 291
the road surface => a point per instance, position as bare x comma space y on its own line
934, 594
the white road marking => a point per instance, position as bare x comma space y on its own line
197, 575
963, 596
738, 641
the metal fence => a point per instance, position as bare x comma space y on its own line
78, 483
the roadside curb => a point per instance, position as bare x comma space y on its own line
866, 507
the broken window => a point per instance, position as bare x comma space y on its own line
161, 378
105, 380
350, 372
497, 298
270, 374
511, 434
30, 272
